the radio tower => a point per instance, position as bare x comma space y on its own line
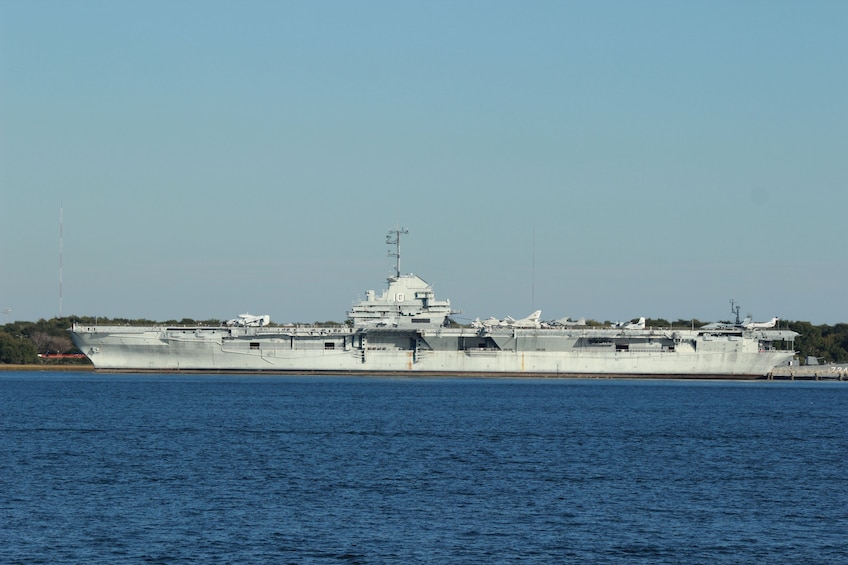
61, 237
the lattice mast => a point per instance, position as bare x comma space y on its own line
393, 238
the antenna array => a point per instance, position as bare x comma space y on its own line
61, 244
393, 238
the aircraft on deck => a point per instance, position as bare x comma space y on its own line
638, 325
756, 325
531, 321
249, 320
747, 324
565, 322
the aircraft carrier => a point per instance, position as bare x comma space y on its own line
405, 330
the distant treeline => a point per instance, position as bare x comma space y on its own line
23, 342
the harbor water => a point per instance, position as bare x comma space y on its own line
98, 468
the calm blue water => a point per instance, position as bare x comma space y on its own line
170, 469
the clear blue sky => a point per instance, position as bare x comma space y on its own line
608, 159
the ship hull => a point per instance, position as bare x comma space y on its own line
459, 352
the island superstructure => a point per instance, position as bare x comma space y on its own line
406, 330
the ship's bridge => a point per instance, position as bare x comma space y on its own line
409, 301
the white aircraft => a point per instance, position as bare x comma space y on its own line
770, 324
565, 322
727, 325
640, 325
487, 323
531, 321
249, 320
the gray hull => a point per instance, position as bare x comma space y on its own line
541, 352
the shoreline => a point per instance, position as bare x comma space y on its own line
47, 368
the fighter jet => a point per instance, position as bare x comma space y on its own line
249, 320
531, 321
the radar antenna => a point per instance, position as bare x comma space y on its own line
734, 309
393, 238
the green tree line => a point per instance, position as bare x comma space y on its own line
22, 342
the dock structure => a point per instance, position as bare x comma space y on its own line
830, 372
